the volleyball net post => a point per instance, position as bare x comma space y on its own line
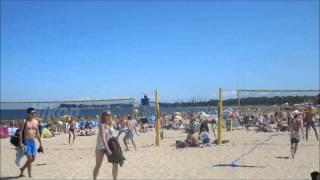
220, 118
158, 119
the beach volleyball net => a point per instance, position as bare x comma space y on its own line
81, 110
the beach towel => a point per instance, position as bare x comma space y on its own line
4, 132
12, 131
181, 144
19, 155
115, 148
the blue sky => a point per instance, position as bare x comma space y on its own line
107, 49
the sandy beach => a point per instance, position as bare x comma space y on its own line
269, 160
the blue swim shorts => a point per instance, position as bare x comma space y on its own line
30, 148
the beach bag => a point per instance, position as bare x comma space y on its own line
14, 140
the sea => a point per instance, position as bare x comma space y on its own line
90, 113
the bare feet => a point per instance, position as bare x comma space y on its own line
21, 173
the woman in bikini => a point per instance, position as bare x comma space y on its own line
72, 127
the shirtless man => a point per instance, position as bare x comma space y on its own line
72, 127
193, 139
131, 124
295, 125
29, 131
122, 124
309, 119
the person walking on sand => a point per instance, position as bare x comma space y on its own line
309, 119
29, 131
123, 126
104, 135
131, 124
71, 127
294, 127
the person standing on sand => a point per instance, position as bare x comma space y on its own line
29, 131
277, 119
295, 125
309, 119
72, 127
104, 135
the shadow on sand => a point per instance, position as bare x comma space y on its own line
43, 164
230, 165
282, 157
11, 177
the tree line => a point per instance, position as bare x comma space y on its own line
248, 101
254, 101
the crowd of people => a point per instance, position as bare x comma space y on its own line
197, 127
293, 121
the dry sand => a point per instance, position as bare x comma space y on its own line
272, 158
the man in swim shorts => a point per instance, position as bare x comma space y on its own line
131, 124
29, 131
294, 127
123, 127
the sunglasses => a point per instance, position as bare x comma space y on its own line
108, 114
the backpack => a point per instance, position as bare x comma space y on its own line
14, 140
